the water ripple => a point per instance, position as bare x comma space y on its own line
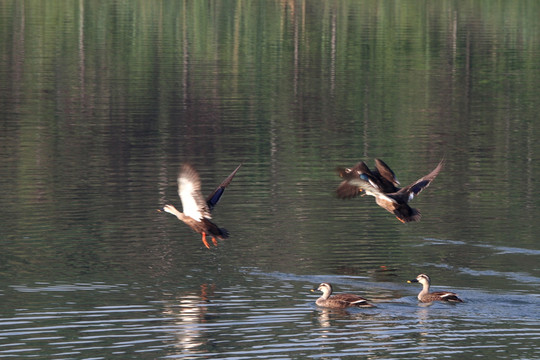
497, 249
232, 323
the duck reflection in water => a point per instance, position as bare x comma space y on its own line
188, 309
196, 213
326, 317
382, 184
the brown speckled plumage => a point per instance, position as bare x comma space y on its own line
425, 296
339, 301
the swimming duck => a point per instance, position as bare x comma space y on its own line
339, 301
196, 213
382, 186
425, 296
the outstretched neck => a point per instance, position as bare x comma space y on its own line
172, 210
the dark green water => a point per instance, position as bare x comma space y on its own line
100, 103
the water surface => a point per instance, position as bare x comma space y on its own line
100, 103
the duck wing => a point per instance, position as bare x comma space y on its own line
410, 191
366, 174
347, 191
356, 179
189, 190
447, 296
351, 299
214, 197
386, 177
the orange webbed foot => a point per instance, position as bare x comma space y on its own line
204, 241
214, 241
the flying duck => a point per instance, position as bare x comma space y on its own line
196, 213
381, 184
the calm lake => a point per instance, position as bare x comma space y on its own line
102, 101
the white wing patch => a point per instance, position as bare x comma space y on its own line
188, 195
445, 295
361, 301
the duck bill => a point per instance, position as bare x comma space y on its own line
412, 281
